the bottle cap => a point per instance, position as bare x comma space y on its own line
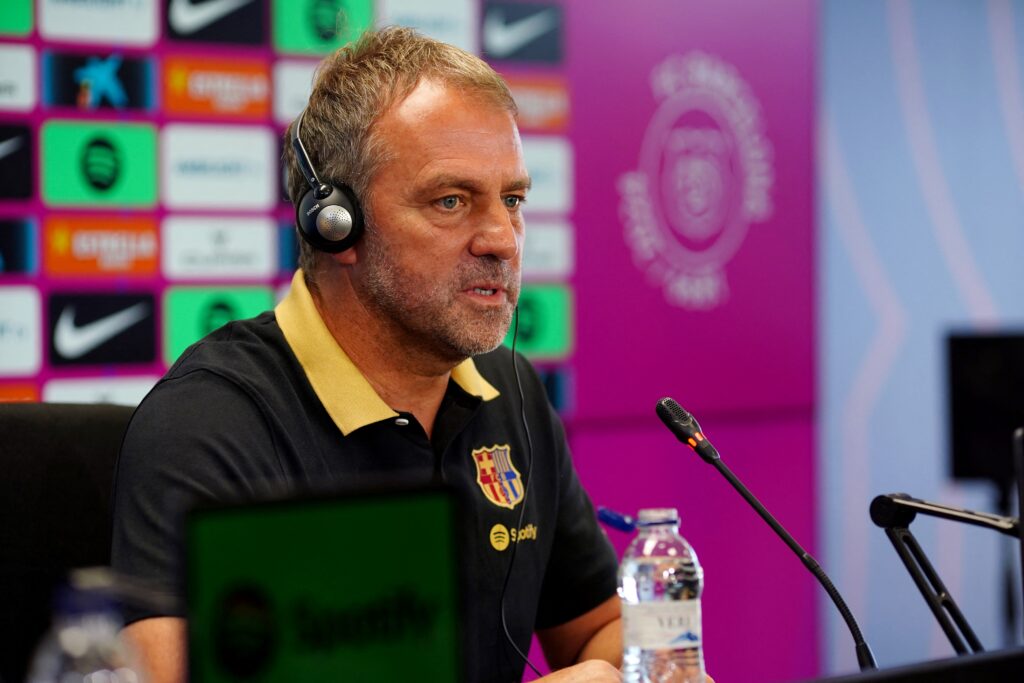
652, 516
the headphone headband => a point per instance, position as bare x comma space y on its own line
305, 165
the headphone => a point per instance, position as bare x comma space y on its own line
328, 217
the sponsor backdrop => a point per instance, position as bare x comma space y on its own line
669, 247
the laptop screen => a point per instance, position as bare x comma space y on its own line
355, 587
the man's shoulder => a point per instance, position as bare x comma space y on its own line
249, 357
243, 370
240, 348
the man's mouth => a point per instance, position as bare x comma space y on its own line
484, 291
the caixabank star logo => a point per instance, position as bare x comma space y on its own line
705, 174
97, 81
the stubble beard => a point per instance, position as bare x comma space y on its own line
427, 314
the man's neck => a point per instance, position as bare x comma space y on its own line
406, 379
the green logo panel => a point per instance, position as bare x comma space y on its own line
109, 164
545, 322
271, 601
16, 17
191, 313
318, 27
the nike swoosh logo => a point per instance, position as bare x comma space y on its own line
186, 18
502, 38
74, 341
10, 146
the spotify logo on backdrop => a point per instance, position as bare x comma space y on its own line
324, 16
116, 163
100, 162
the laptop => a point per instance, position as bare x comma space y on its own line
347, 587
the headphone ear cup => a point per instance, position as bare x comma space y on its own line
333, 223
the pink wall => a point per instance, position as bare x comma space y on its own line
742, 362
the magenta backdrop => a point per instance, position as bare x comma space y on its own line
754, 351
759, 601
744, 365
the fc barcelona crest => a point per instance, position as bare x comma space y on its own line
497, 476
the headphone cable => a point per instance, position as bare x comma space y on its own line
526, 488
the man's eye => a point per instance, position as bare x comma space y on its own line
450, 202
513, 201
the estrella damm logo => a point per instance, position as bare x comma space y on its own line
205, 86
497, 477
100, 245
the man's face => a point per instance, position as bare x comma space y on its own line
440, 263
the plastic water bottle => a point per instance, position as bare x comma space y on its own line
84, 643
660, 583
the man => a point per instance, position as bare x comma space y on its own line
382, 359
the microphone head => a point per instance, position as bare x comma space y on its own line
686, 429
675, 417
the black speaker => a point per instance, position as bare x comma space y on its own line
328, 217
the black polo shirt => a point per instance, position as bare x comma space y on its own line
272, 404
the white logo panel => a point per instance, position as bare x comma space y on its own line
127, 391
218, 167
549, 162
450, 21
17, 77
219, 248
20, 336
548, 252
123, 22
293, 81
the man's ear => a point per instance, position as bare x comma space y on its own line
349, 257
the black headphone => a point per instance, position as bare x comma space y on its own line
329, 217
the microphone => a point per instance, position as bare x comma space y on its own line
686, 429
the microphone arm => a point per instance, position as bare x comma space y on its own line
686, 429
898, 509
894, 513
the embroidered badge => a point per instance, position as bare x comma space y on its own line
497, 476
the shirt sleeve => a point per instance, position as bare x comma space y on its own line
583, 568
194, 439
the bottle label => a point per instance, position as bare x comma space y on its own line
672, 624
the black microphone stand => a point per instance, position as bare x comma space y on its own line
894, 513
686, 429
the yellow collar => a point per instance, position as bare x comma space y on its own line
348, 397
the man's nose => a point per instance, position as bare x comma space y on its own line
499, 233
